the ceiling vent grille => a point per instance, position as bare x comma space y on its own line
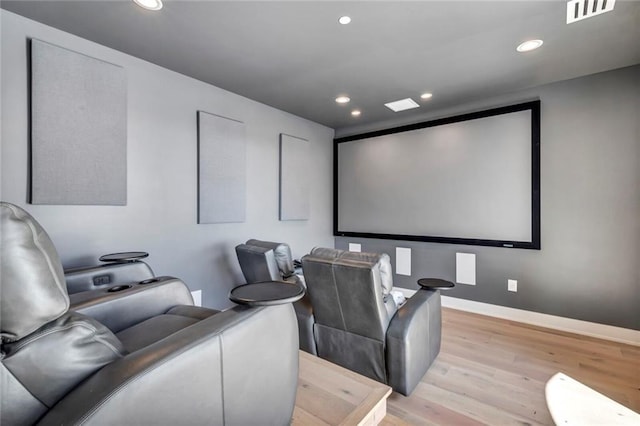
402, 104
578, 10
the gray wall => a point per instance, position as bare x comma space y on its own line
160, 215
589, 265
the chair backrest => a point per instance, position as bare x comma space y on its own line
32, 285
282, 254
351, 316
265, 261
347, 292
46, 350
258, 264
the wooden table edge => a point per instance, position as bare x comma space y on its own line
374, 403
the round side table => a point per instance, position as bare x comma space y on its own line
124, 257
267, 293
435, 284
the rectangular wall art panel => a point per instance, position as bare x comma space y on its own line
294, 181
221, 169
78, 128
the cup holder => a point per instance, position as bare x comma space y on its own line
118, 288
149, 281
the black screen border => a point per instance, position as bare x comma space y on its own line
534, 244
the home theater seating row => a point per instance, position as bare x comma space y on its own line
113, 344
140, 355
348, 315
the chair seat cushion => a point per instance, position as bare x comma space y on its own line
157, 328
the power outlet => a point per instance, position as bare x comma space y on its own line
512, 285
197, 297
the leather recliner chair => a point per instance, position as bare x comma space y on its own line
269, 261
150, 357
357, 323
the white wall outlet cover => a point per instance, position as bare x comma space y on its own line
355, 247
403, 261
197, 297
466, 268
512, 285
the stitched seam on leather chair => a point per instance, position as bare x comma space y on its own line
335, 287
66, 327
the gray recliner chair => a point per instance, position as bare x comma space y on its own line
140, 354
357, 323
269, 261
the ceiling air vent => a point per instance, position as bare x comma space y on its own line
402, 105
578, 10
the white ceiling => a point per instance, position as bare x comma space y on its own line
296, 57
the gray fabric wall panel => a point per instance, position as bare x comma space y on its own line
294, 183
78, 128
222, 169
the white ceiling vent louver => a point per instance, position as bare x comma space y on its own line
402, 104
578, 10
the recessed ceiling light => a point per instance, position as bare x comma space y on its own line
149, 4
356, 112
426, 96
529, 45
342, 99
344, 20
402, 105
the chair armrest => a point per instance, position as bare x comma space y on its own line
237, 367
413, 340
122, 309
105, 275
304, 314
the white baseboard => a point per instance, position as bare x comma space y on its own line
586, 328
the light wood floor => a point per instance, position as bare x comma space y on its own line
331, 395
493, 371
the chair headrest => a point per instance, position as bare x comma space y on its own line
258, 264
31, 277
382, 259
282, 252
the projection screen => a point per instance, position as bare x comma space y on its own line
468, 179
